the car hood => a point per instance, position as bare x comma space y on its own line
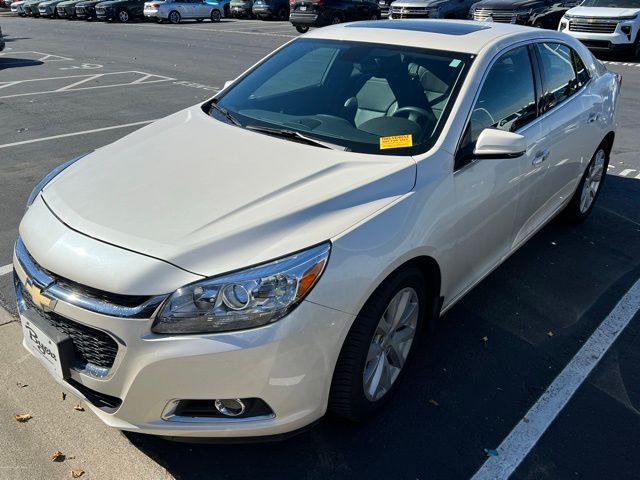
210, 197
602, 12
49, 3
112, 3
417, 3
507, 4
88, 3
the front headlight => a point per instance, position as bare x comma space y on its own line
48, 177
245, 299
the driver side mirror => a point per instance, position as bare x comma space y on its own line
498, 144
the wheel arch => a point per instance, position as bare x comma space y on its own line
609, 138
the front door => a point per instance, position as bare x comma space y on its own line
489, 191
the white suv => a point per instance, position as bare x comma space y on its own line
606, 26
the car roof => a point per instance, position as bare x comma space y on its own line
453, 35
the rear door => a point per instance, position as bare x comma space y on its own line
570, 139
489, 192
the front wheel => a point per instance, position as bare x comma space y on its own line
589, 188
378, 346
215, 16
123, 16
174, 17
302, 29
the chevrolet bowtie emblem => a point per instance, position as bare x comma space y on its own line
38, 298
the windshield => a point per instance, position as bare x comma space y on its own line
363, 97
611, 3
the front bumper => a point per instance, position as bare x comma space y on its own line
86, 12
105, 13
65, 12
263, 11
152, 13
238, 11
308, 19
17, 9
46, 11
287, 364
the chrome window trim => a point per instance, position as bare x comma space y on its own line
538, 117
80, 299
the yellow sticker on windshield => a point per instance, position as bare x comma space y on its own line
396, 141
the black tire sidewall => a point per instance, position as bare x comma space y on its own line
350, 402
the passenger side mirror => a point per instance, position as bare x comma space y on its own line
493, 143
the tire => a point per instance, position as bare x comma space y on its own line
589, 187
174, 17
123, 16
215, 16
302, 29
355, 393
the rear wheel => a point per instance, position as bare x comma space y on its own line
302, 29
589, 188
378, 346
123, 16
174, 17
215, 16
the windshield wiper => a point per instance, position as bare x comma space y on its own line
295, 136
225, 113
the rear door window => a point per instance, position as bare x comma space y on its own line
559, 78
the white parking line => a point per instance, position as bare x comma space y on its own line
513, 449
6, 269
73, 134
42, 57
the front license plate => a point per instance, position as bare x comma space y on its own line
51, 347
303, 9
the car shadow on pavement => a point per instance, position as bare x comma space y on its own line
472, 380
6, 62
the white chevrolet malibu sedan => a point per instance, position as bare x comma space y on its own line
243, 266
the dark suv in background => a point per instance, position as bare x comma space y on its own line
121, 10
318, 13
276, 9
534, 13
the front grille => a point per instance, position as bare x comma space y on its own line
500, 16
91, 346
411, 12
592, 25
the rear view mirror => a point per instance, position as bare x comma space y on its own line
493, 143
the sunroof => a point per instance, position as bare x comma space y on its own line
430, 26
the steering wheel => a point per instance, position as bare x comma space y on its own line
414, 113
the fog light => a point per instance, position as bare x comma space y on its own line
232, 407
563, 26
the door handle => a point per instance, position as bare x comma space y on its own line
592, 117
540, 157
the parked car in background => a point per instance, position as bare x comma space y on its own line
31, 8
534, 13
48, 8
385, 6
318, 13
176, 10
18, 8
401, 9
67, 8
121, 10
87, 10
606, 25
271, 9
241, 8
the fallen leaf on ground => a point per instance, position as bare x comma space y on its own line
24, 417
64, 396
491, 452
550, 333
21, 385
57, 456
77, 472
79, 408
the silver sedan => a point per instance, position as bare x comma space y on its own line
176, 10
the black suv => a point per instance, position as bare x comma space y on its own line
318, 13
121, 10
535, 13
276, 9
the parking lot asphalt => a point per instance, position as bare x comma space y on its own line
472, 381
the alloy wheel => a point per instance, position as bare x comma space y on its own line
174, 17
391, 344
123, 16
592, 181
215, 16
